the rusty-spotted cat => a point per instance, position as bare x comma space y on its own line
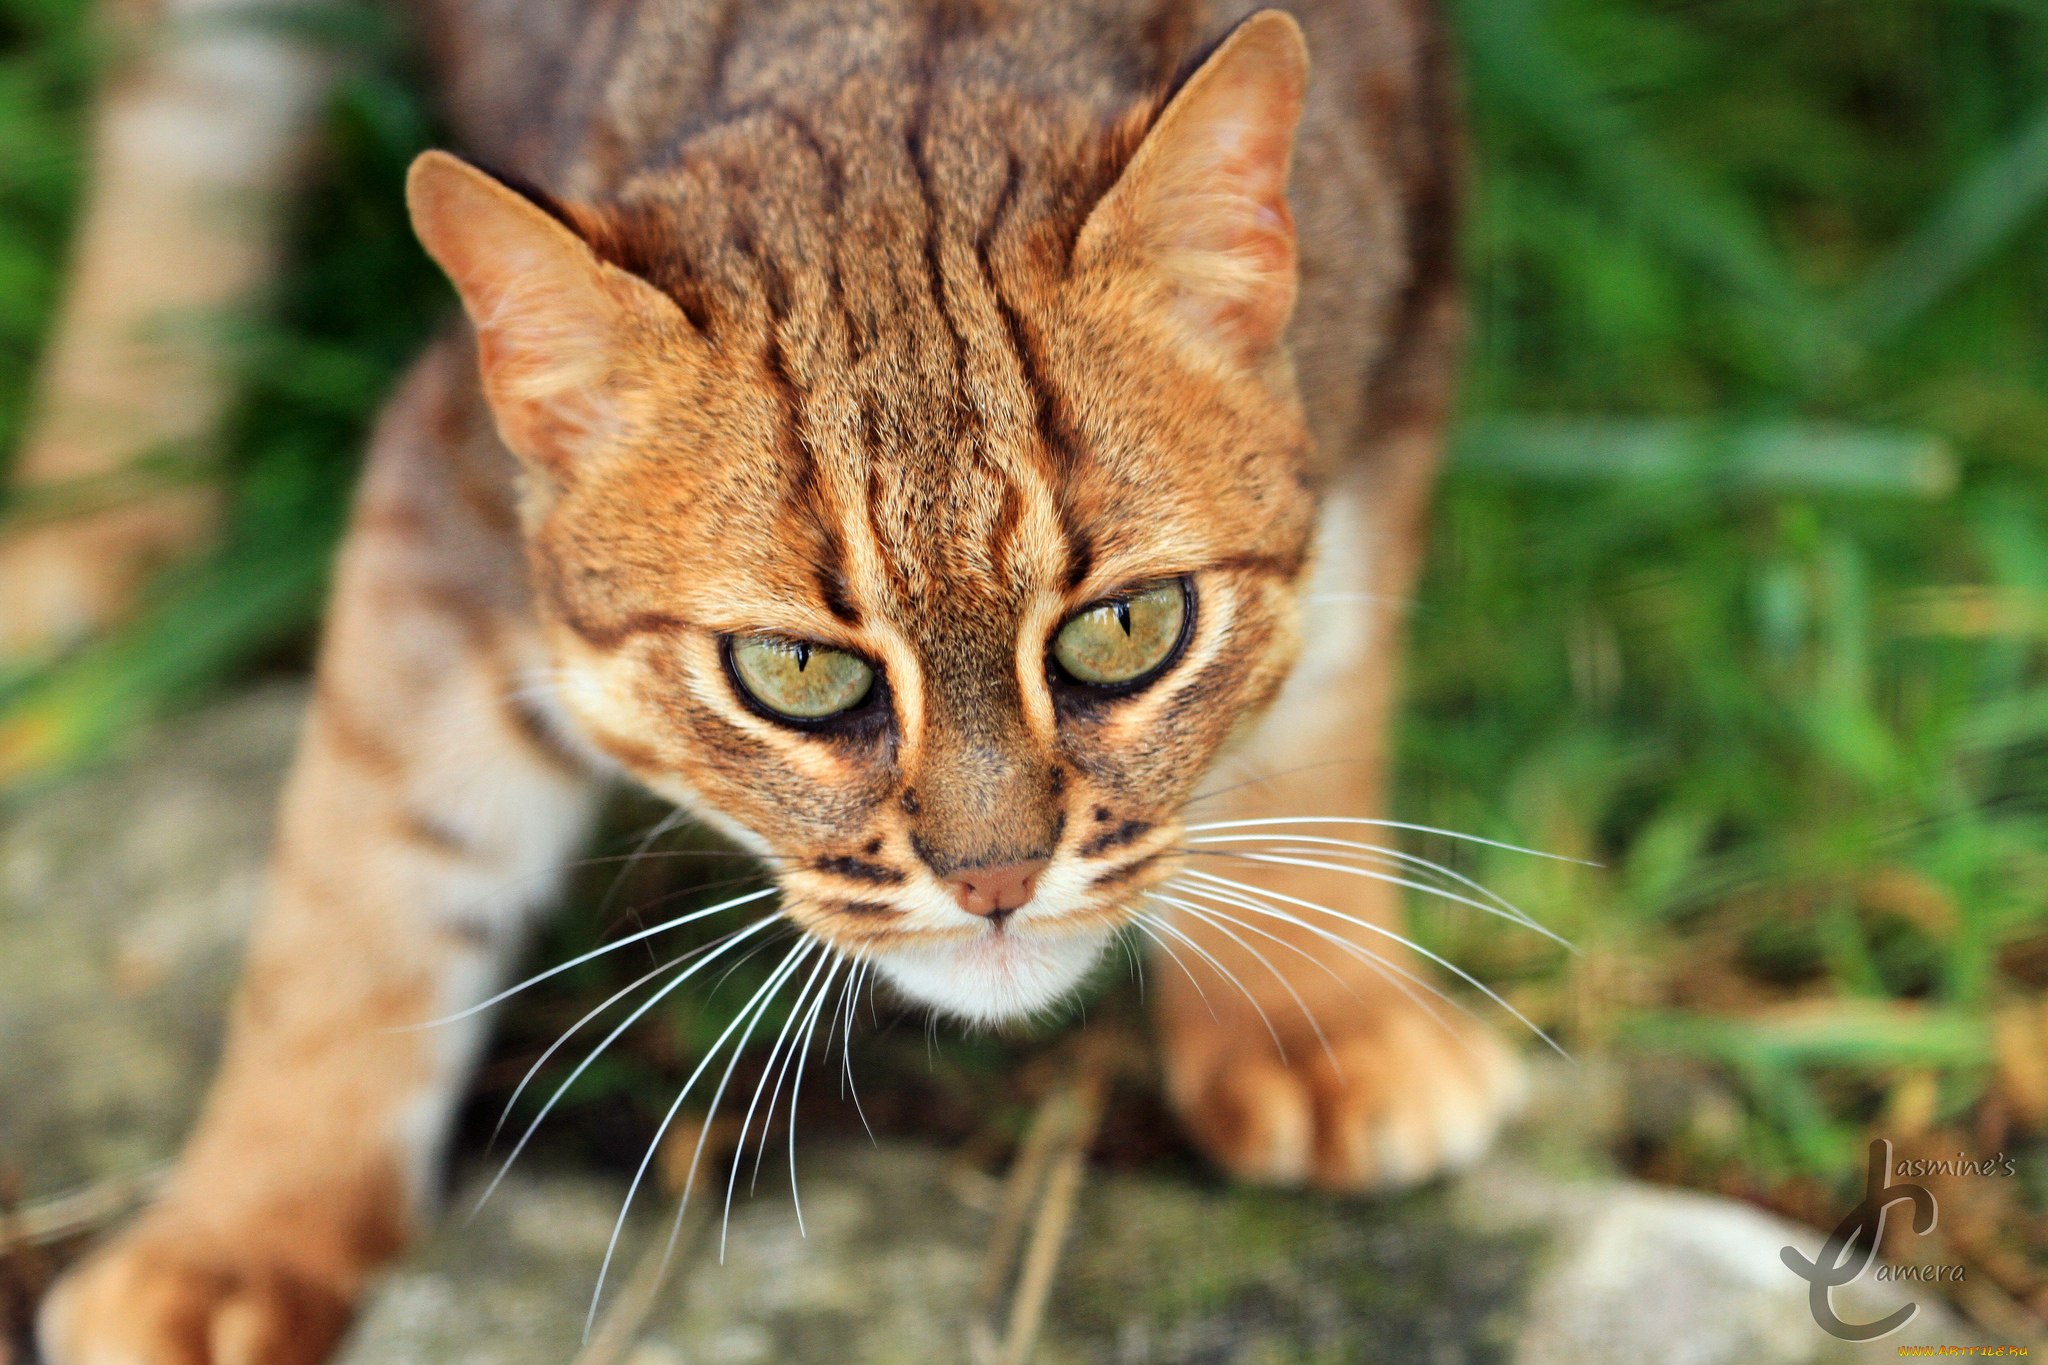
930, 441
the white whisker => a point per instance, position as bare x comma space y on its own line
739, 1144
1510, 914
1144, 926
1413, 946
847, 1085
1385, 824
1209, 912
1136, 958
1300, 1004
796, 1086
1226, 974
609, 1039
777, 1065
755, 1005
1391, 972
582, 958
566, 1035
1377, 852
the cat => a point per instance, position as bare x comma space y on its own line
931, 442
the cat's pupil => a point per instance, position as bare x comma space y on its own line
776, 674
1124, 638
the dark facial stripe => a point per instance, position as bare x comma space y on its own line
1080, 545
1116, 876
1008, 515
807, 495
610, 635
863, 909
1129, 832
834, 170
860, 870
1288, 566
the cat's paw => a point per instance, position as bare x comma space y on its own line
1396, 1097
154, 1297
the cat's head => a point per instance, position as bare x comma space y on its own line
930, 531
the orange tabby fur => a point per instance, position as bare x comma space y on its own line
909, 328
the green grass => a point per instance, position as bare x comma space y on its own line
1792, 705
1739, 588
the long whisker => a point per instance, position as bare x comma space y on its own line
749, 1013
1413, 946
1385, 824
582, 958
733, 1175
1377, 852
792, 1030
796, 1085
1133, 956
1209, 912
846, 1081
571, 1032
1220, 924
1145, 926
1228, 975
635, 915
849, 995
1376, 855
730, 941
1515, 916
1393, 973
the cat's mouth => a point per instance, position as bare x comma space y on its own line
1005, 972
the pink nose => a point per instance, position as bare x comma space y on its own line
995, 891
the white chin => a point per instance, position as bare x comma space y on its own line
994, 976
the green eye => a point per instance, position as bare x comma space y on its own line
798, 680
1124, 638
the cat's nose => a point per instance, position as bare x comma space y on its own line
995, 891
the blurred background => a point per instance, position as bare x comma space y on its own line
1737, 586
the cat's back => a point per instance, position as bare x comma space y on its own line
580, 96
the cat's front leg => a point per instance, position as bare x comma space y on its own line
424, 820
1293, 1056
1303, 1041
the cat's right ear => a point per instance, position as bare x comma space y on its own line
1200, 212
556, 326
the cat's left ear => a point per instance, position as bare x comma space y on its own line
1202, 206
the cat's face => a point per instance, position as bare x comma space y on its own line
960, 704
975, 592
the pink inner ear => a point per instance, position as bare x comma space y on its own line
552, 320
1206, 192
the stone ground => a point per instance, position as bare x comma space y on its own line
123, 895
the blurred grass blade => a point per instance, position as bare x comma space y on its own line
1852, 1033
1777, 456
1983, 213
1512, 55
199, 632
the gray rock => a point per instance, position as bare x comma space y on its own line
1506, 1265
125, 895
1637, 1275
505, 1287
